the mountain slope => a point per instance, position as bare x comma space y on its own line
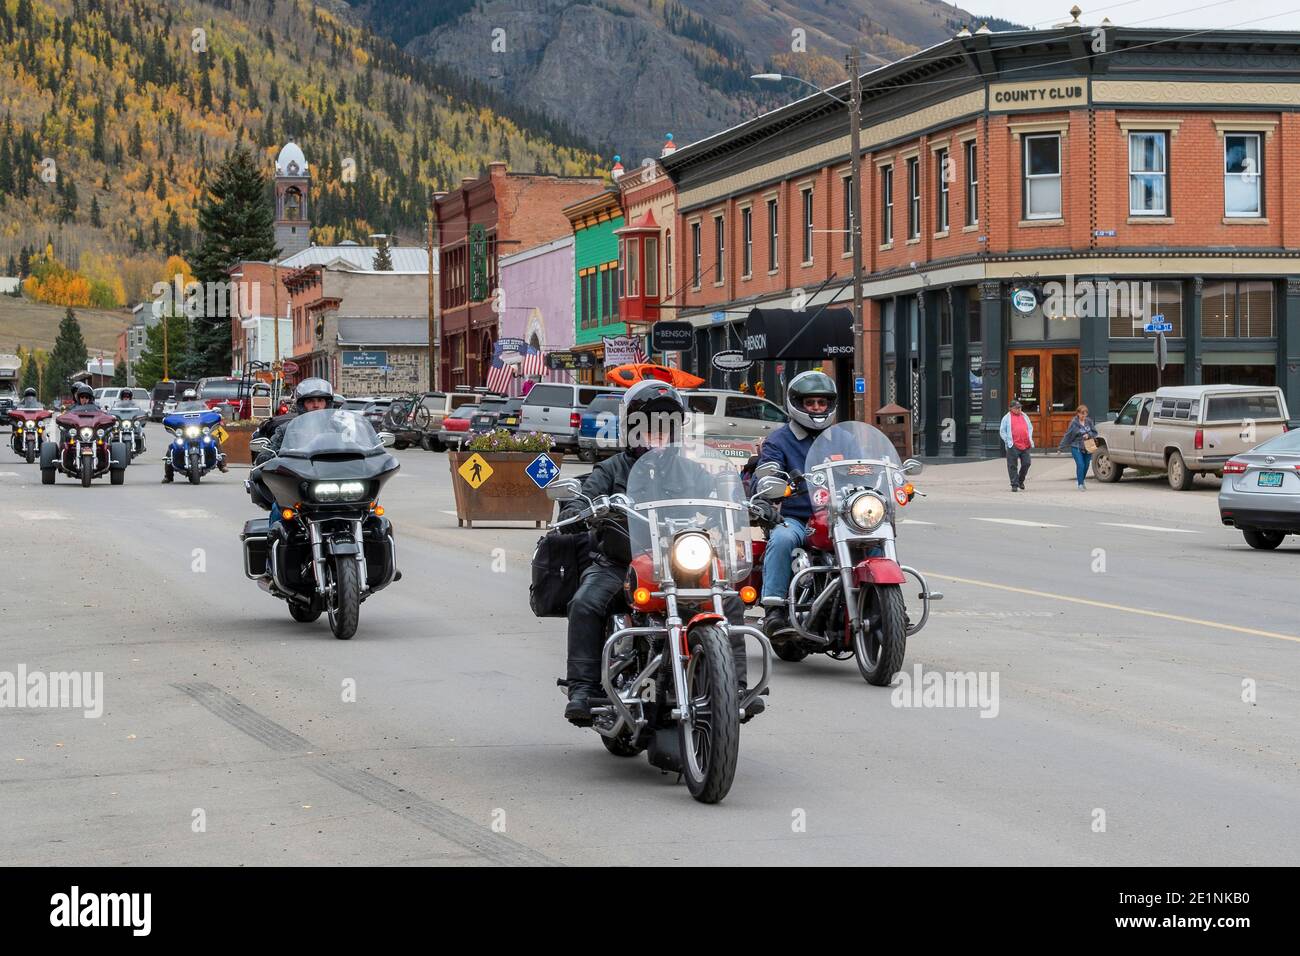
113, 113
625, 72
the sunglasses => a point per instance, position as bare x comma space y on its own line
810, 403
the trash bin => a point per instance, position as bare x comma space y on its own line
896, 423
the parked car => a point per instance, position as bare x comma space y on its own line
455, 427
556, 409
1188, 430
1260, 494
720, 413
357, 404
493, 413
598, 431
375, 411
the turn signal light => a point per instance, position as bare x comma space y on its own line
378, 510
287, 514
909, 489
748, 594
789, 490
641, 596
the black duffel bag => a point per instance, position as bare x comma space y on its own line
558, 564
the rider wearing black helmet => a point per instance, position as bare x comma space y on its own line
83, 395
653, 416
810, 402
30, 400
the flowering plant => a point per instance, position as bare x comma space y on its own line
500, 439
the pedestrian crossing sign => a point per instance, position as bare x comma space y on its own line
475, 471
220, 435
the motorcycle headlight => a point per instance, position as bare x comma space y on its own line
206, 430
180, 443
87, 434
867, 511
99, 433
192, 431
692, 552
325, 491
338, 491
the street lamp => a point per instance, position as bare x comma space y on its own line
854, 105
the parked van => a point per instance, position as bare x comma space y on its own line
1188, 430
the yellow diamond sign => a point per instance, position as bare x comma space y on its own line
475, 470
220, 434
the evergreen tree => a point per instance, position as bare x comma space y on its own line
119, 374
236, 223
95, 219
383, 261
31, 374
7, 181
97, 137
68, 357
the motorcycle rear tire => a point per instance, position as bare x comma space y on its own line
345, 609
87, 472
711, 746
879, 650
303, 613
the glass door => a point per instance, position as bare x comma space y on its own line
1046, 381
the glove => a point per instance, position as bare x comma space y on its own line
763, 512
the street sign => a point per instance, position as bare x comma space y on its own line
220, 435
732, 360
717, 318
475, 471
1158, 324
543, 471
860, 385
672, 337
289, 368
1104, 233
478, 252
363, 360
558, 361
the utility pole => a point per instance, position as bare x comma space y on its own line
435, 334
855, 166
165, 320
277, 368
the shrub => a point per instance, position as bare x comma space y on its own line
502, 440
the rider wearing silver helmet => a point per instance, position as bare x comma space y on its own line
810, 401
311, 395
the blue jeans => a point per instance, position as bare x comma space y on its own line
782, 541
1081, 461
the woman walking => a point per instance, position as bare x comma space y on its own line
1081, 436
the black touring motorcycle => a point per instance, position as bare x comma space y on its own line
327, 546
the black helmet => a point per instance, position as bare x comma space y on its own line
29, 393
82, 390
812, 384
312, 388
126, 394
647, 407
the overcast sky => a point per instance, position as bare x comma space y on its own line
1226, 14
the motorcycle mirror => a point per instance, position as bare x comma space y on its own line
387, 439
563, 489
912, 467
771, 487
766, 470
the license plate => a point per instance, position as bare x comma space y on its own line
1270, 479
483, 420
512, 420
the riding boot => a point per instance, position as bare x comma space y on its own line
584, 683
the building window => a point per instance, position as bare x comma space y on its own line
652, 266
719, 249
1148, 172
972, 186
1132, 305
807, 226
1237, 310
1042, 199
941, 207
773, 234
850, 211
695, 255
668, 262
633, 279
586, 293
747, 233
607, 308
1242, 175
622, 264
913, 198
887, 209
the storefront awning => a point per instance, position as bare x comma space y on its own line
813, 333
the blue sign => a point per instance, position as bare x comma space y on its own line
860, 385
365, 359
1158, 324
1104, 233
543, 471
717, 318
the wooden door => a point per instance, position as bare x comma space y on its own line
1046, 381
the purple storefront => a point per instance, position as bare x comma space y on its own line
536, 288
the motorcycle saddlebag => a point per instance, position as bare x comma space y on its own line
558, 563
255, 547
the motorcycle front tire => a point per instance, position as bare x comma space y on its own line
710, 742
345, 608
880, 643
87, 471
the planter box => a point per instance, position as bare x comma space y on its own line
236, 445
507, 495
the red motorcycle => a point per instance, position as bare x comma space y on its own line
846, 591
81, 447
28, 431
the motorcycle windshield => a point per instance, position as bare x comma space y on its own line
851, 456
330, 431
678, 493
127, 412
179, 419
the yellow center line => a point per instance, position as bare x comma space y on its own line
1116, 607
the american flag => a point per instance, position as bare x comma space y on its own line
500, 375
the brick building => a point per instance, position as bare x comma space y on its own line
649, 202
493, 215
1032, 200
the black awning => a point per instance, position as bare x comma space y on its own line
813, 333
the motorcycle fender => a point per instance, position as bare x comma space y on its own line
342, 547
878, 571
704, 617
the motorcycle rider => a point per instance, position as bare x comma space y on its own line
83, 396
124, 397
647, 404
190, 403
311, 395
810, 402
30, 400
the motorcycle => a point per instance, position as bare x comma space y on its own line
28, 431
81, 448
195, 450
668, 671
846, 591
129, 428
332, 548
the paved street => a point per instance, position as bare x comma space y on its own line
1121, 624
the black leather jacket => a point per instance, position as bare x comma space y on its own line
609, 541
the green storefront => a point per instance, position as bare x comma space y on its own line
597, 280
